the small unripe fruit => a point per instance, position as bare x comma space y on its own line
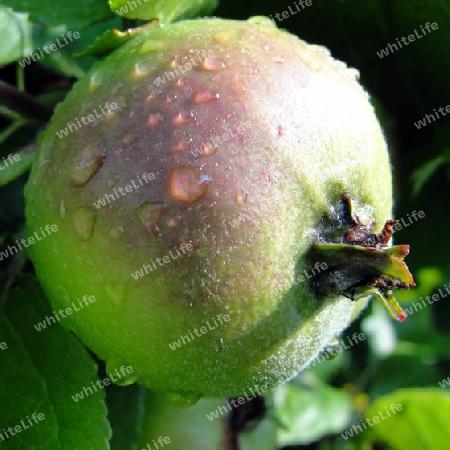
239, 142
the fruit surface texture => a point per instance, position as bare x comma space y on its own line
248, 138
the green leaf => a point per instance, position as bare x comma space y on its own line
307, 413
428, 279
17, 168
164, 10
74, 15
17, 35
381, 331
421, 424
125, 409
400, 371
426, 171
109, 41
381, 262
41, 373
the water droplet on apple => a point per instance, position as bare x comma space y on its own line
309, 60
181, 82
95, 81
150, 97
172, 222
225, 38
278, 59
117, 88
212, 64
205, 96
84, 222
183, 399
129, 138
177, 61
155, 118
150, 45
143, 69
62, 209
149, 214
117, 232
209, 149
88, 163
183, 117
170, 99
120, 374
183, 144
241, 196
188, 184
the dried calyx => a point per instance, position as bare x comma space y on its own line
361, 263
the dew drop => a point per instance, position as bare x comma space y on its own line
224, 346
129, 138
181, 82
117, 372
62, 209
88, 163
225, 38
173, 222
251, 70
278, 59
241, 196
95, 81
143, 69
170, 99
117, 232
322, 49
205, 96
150, 45
212, 64
117, 88
115, 107
116, 293
353, 73
309, 61
150, 213
183, 117
83, 223
209, 149
150, 97
177, 61
155, 118
133, 114
330, 350
183, 144
187, 184
183, 399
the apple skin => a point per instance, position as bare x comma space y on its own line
297, 131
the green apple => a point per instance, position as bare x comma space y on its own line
211, 181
